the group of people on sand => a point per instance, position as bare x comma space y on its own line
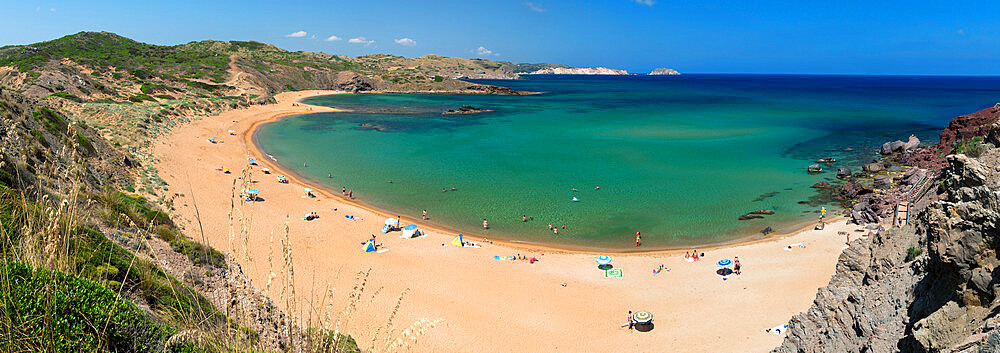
693, 255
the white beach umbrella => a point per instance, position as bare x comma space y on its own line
603, 260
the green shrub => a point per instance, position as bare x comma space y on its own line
164, 96
67, 96
55, 312
53, 122
141, 97
912, 253
972, 147
84, 144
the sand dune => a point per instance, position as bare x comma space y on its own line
486, 305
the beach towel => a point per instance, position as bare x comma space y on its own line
777, 330
689, 259
385, 228
613, 272
381, 251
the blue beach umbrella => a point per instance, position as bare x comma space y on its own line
724, 263
603, 260
253, 191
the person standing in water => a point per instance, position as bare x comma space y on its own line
329, 175
343, 190
350, 194
425, 215
638, 239
485, 225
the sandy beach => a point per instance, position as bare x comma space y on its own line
563, 302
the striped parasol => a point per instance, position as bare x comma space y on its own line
642, 317
725, 263
603, 260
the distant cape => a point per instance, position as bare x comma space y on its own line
664, 71
578, 71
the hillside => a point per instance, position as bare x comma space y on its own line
932, 285
100, 65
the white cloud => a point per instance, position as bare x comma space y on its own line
406, 41
535, 7
313, 37
52, 9
645, 2
961, 32
482, 51
332, 39
360, 40
298, 34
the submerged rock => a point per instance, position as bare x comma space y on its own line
821, 185
815, 168
750, 216
843, 173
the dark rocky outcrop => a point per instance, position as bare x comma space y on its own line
961, 128
466, 109
821, 185
843, 173
931, 286
815, 168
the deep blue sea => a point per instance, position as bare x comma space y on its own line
678, 158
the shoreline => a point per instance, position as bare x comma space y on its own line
249, 140
542, 306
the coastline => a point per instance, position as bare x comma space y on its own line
249, 140
544, 306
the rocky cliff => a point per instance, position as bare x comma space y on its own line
578, 71
930, 286
664, 71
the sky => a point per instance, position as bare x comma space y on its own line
911, 37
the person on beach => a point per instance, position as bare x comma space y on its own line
550, 226
425, 215
343, 190
638, 239
736, 266
687, 255
350, 194
485, 224
695, 256
398, 225
631, 323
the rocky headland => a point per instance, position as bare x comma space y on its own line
931, 283
578, 71
663, 71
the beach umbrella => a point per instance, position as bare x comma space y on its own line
253, 191
603, 260
308, 190
724, 263
391, 221
410, 231
369, 246
280, 177
642, 317
252, 161
458, 241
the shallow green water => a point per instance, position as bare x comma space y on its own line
678, 159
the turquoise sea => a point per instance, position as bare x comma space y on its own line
678, 158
